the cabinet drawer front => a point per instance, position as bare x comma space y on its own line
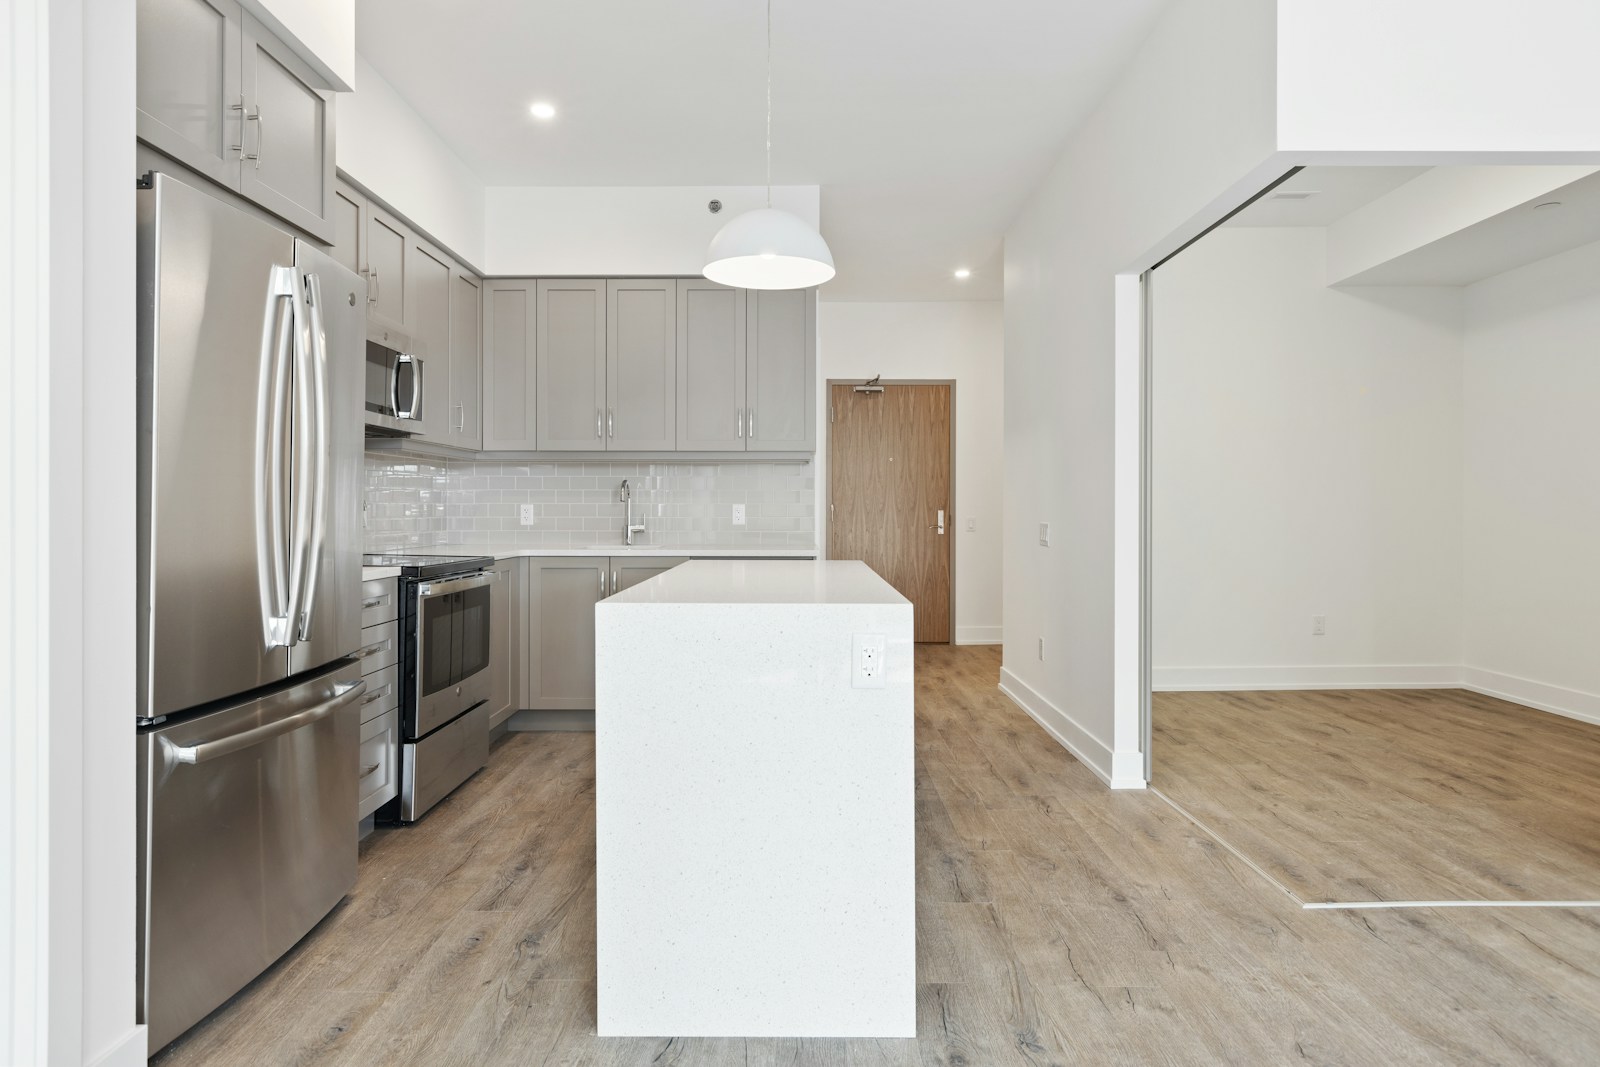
378, 781
380, 647
383, 693
380, 601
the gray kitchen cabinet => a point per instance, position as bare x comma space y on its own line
466, 358
562, 593
218, 92
641, 365
506, 647
349, 229
428, 272
781, 387
288, 149
188, 88
508, 366
387, 291
570, 364
711, 367
629, 571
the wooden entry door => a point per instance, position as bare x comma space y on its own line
888, 482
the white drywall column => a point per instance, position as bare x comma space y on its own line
68, 841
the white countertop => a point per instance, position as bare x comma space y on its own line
763, 582
808, 552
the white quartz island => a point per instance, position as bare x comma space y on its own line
754, 804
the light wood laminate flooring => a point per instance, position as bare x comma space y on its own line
1058, 923
1424, 794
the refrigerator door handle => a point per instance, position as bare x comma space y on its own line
318, 385
272, 419
302, 456
204, 751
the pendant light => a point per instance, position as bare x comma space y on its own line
768, 248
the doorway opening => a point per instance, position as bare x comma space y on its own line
890, 486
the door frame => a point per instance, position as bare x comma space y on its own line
826, 443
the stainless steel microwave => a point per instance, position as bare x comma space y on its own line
394, 384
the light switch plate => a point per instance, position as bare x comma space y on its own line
1044, 534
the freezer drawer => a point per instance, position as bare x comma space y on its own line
247, 838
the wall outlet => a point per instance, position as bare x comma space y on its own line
972, 524
867, 661
1044, 534
1319, 626
738, 514
1041, 648
527, 514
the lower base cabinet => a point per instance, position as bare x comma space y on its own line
562, 593
380, 744
507, 650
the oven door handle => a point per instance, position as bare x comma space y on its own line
202, 751
455, 585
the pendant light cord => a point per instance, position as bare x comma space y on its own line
769, 103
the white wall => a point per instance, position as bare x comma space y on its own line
1532, 475
959, 340
386, 147
1306, 461
540, 231
1185, 132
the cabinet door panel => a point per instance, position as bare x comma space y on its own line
711, 367
188, 83
570, 355
641, 365
562, 594
505, 638
629, 571
429, 307
349, 237
386, 269
508, 371
288, 138
466, 359
781, 393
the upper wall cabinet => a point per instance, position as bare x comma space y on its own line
641, 365
508, 372
387, 265
466, 358
781, 386
428, 309
570, 361
711, 366
220, 94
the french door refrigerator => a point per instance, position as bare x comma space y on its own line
251, 375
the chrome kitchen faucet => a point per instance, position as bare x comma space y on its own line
629, 527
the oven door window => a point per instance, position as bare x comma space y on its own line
472, 632
438, 654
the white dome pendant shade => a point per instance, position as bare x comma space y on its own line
768, 249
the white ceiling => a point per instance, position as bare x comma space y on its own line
925, 122
1339, 191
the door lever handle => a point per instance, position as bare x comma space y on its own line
939, 525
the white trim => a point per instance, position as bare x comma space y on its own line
978, 635
1118, 770
1571, 703
1360, 676
131, 1050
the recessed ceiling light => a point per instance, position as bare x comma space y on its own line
963, 273
1293, 194
542, 110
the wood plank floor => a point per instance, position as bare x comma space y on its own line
1058, 923
1433, 794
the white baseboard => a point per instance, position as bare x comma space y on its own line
978, 635
1572, 703
1126, 772
129, 1051
1361, 676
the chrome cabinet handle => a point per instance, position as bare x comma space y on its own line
598, 415
261, 135
202, 751
379, 695
368, 770
372, 602
602, 583
372, 290
373, 649
611, 428
751, 412
460, 424
613, 582
239, 107
739, 418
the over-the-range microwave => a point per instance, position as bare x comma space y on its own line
394, 384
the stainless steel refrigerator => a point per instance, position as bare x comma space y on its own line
251, 374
